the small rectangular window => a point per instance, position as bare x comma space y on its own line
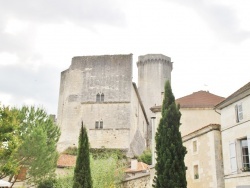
98, 97
245, 155
102, 97
196, 172
97, 124
194, 146
101, 124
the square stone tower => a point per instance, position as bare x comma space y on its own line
98, 91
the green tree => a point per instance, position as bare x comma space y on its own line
82, 174
170, 167
9, 141
35, 137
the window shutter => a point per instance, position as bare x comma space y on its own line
233, 157
248, 145
236, 113
240, 112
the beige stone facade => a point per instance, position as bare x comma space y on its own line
140, 181
204, 158
98, 91
235, 130
201, 136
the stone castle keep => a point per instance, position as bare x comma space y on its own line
98, 91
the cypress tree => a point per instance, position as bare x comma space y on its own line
82, 174
170, 167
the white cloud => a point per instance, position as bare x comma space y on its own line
207, 40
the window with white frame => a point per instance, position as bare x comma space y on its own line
238, 112
244, 144
240, 155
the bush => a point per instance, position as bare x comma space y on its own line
65, 181
107, 170
49, 183
70, 151
146, 157
98, 153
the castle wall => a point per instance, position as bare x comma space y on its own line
86, 77
139, 124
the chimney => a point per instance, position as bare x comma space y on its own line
134, 164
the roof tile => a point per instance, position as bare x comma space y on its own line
66, 160
199, 99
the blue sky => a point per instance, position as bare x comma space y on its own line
208, 41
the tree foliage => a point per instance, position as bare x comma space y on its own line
32, 144
82, 174
146, 157
107, 170
170, 167
9, 141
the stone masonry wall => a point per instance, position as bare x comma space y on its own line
110, 75
142, 181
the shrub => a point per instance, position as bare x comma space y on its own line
146, 157
65, 181
107, 170
70, 151
49, 183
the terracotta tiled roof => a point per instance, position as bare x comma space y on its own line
141, 166
199, 99
66, 160
232, 97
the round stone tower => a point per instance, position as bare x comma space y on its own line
153, 71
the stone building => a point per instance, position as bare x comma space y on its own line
98, 91
201, 136
235, 132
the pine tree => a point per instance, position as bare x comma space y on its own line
82, 174
170, 167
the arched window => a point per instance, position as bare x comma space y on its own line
97, 124
98, 97
102, 97
101, 124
